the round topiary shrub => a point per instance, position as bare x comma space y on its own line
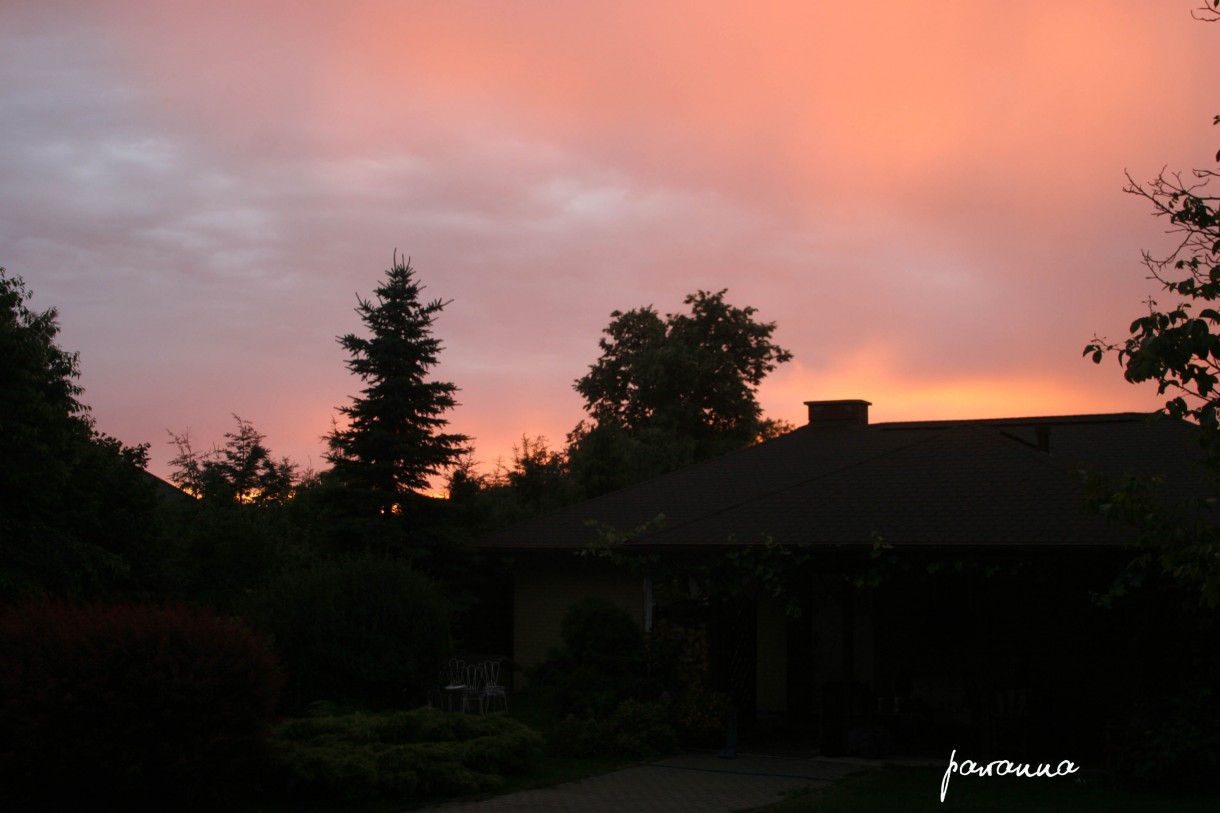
129, 706
602, 662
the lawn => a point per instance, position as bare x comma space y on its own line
916, 790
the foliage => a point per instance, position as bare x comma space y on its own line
725, 573
1178, 540
1179, 748
664, 393
220, 555
242, 472
251, 519
601, 663
1173, 727
537, 482
635, 730
394, 440
1178, 348
536, 478
681, 654
400, 756
137, 704
695, 374
668, 392
361, 629
76, 511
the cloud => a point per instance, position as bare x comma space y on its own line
925, 199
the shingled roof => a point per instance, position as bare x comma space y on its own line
995, 482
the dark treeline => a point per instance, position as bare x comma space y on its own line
151, 634
358, 573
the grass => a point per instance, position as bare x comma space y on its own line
917, 790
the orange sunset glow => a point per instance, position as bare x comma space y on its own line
926, 198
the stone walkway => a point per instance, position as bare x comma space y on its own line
689, 783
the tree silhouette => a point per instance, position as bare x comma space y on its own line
242, 472
673, 391
394, 441
75, 509
1178, 347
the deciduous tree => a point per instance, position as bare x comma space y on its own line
75, 511
1178, 347
1178, 544
670, 391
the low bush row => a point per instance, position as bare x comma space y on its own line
398, 756
635, 730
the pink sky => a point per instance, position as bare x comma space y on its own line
925, 197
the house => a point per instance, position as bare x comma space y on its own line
925, 584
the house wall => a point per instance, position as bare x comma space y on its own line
772, 659
546, 587
803, 662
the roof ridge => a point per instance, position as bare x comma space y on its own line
642, 483
795, 484
999, 437
1097, 417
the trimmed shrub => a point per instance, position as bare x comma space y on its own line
362, 630
129, 706
399, 756
602, 662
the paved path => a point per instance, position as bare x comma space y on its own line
689, 783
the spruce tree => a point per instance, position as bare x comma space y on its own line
394, 440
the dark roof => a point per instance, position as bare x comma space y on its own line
162, 488
985, 482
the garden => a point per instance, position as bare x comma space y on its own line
143, 703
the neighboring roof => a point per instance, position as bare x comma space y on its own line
983, 482
162, 488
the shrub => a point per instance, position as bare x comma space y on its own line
598, 630
680, 655
602, 662
1179, 746
362, 629
129, 705
635, 730
399, 756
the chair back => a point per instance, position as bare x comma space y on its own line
475, 677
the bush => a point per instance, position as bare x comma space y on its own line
598, 630
635, 730
603, 661
1179, 747
399, 756
363, 629
129, 705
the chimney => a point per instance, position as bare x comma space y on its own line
852, 412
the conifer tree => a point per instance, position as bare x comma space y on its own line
394, 440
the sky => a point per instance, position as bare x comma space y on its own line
926, 198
